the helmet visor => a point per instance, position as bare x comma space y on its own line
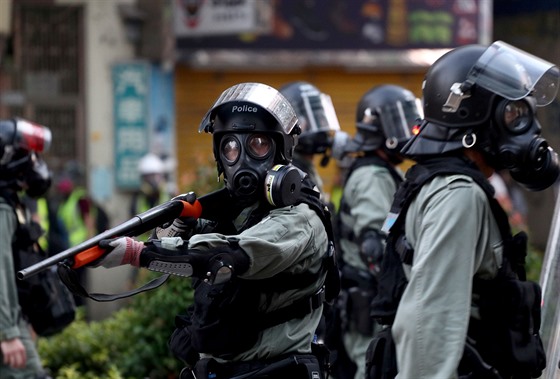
319, 112
32, 137
259, 94
398, 119
513, 73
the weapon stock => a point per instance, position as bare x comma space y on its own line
88, 251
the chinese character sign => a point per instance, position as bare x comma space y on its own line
331, 25
131, 118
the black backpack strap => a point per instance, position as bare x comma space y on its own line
70, 278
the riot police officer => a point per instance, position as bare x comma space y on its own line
261, 262
21, 169
318, 123
385, 117
465, 307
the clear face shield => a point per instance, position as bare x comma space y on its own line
514, 74
398, 120
21, 134
318, 122
318, 113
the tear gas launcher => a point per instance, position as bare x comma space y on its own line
89, 251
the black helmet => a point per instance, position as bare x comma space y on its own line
254, 132
486, 99
462, 88
19, 139
385, 118
316, 115
250, 107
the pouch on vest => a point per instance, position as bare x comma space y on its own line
45, 301
381, 356
180, 342
358, 310
509, 336
391, 283
225, 318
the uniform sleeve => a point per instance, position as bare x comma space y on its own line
289, 239
9, 306
370, 194
432, 319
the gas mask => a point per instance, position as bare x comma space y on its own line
516, 145
524, 82
486, 99
246, 158
37, 178
248, 163
254, 128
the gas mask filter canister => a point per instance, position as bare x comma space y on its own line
521, 149
283, 185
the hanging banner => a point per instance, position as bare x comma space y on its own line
325, 32
131, 104
220, 17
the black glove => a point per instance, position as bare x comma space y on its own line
371, 250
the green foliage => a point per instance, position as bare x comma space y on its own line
201, 177
533, 263
132, 343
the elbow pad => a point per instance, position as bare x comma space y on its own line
215, 265
372, 246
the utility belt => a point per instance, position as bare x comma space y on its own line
293, 366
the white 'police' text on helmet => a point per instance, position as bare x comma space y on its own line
264, 109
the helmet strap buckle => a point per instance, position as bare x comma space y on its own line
457, 93
469, 140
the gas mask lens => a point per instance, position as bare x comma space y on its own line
230, 149
259, 145
516, 116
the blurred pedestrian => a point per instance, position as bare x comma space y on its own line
318, 122
21, 169
385, 118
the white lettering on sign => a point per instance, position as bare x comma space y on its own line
243, 108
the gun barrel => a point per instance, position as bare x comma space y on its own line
137, 225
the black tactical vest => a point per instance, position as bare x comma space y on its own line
225, 320
507, 335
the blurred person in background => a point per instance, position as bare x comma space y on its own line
385, 118
318, 122
153, 184
21, 169
81, 216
